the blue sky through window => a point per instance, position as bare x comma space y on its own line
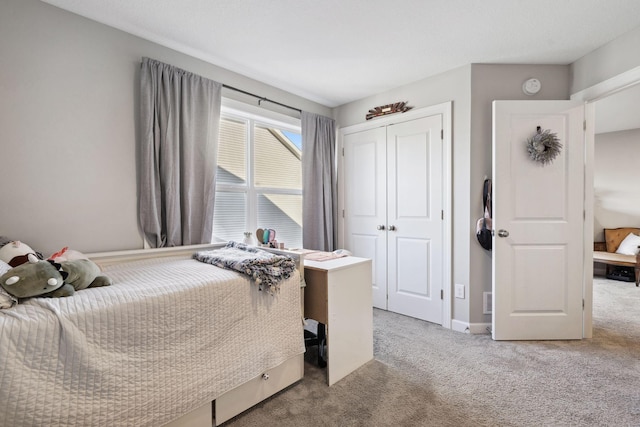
296, 138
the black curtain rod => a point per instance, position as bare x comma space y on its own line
261, 98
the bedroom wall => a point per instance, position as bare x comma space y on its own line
68, 122
453, 86
615, 181
491, 82
472, 89
605, 62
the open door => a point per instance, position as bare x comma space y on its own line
538, 221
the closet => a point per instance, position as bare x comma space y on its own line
393, 212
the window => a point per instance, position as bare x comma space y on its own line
259, 177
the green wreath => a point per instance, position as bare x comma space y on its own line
544, 146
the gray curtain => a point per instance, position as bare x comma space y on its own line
319, 201
180, 118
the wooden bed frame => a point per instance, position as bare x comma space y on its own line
244, 396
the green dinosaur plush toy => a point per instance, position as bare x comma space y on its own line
83, 273
49, 279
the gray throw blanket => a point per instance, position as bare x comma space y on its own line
265, 268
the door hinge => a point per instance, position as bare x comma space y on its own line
442, 134
584, 125
342, 213
441, 293
342, 151
583, 303
441, 214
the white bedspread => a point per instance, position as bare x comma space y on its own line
168, 336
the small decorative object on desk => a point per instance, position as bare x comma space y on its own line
248, 239
267, 237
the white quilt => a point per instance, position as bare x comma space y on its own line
168, 336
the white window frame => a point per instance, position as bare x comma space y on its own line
254, 116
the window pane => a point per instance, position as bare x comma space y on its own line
277, 160
232, 152
283, 213
229, 216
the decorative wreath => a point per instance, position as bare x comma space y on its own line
544, 146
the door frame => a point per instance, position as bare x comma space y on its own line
445, 109
589, 96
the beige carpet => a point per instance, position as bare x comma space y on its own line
424, 375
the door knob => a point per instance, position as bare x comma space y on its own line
392, 228
380, 227
503, 233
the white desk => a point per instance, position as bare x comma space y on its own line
339, 295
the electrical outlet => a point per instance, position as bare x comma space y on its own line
459, 292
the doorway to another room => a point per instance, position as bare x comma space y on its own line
614, 104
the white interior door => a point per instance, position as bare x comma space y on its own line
538, 218
366, 204
414, 218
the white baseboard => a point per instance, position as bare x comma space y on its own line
480, 328
471, 328
459, 326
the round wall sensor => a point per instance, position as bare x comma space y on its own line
531, 86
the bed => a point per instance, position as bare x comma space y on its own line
174, 341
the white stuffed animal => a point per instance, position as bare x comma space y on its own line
15, 253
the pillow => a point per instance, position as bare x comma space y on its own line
629, 246
15, 253
66, 254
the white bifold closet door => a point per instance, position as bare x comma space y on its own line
393, 213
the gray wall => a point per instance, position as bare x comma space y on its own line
491, 82
68, 122
472, 89
68, 114
615, 57
615, 181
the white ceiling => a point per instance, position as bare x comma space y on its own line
337, 51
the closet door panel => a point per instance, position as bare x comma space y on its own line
415, 236
365, 184
411, 173
412, 272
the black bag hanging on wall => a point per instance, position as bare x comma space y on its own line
483, 227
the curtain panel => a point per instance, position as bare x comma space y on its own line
180, 119
319, 175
